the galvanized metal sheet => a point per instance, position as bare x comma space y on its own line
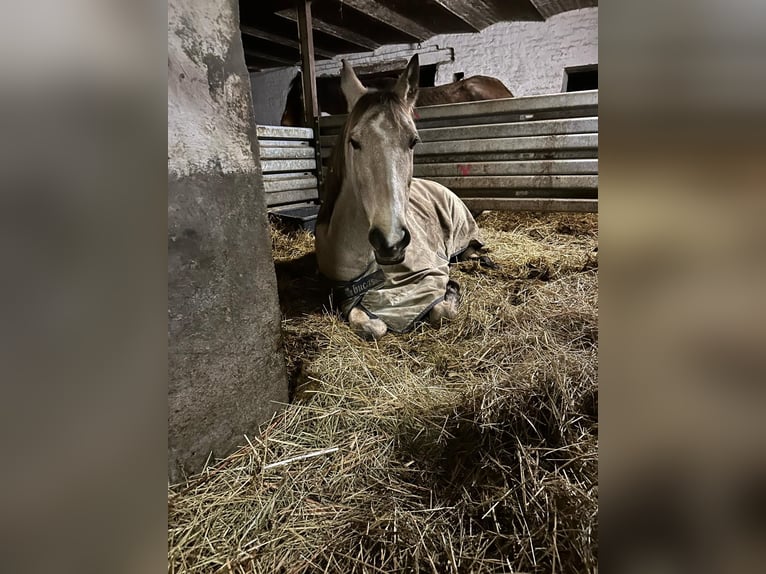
284, 132
528, 193
522, 105
540, 181
291, 196
283, 143
507, 118
289, 175
508, 156
286, 152
278, 165
285, 184
533, 143
536, 204
528, 104
511, 129
533, 167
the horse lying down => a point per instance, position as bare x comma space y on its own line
384, 238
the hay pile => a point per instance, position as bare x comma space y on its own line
466, 449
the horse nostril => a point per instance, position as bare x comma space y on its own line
380, 244
406, 239
377, 239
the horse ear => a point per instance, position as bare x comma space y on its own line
350, 85
407, 84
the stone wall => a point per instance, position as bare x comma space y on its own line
226, 367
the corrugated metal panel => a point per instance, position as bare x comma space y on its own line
541, 164
287, 162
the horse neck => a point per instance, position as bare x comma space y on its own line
343, 250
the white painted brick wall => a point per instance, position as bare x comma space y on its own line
528, 57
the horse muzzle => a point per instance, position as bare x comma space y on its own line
386, 254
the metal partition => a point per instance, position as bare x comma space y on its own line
530, 153
289, 165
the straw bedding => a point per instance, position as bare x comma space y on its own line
471, 448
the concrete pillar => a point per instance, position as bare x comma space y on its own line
226, 366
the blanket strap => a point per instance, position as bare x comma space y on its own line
355, 289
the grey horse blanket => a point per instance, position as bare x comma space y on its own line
442, 228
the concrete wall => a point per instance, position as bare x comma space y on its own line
226, 366
529, 57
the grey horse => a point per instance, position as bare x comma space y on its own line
384, 238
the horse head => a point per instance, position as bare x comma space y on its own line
378, 141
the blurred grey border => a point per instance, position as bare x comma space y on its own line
682, 280
83, 291
83, 288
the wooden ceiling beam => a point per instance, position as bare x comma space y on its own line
550, 8
261, 59
345, 34
390, 18
281, 40
431, 14
345, 17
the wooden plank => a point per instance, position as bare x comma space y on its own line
341, 15
483, 13
287, 184
515, 129
539, 167
305, 33
391, 18
550, 8
287, 152
533, 143
277, 165
265, 59
327, 141
540, 181
280, 40
537, 204
291, 196
284, 132
332, 30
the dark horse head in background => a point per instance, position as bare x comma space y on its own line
331, 100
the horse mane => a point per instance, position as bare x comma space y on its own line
336, 173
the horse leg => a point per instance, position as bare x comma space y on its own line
365, 326
476, 254
446, 310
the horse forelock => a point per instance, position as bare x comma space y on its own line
367, 105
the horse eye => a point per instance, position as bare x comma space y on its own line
354, 143
414, 141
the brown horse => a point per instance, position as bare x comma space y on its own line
331, 100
